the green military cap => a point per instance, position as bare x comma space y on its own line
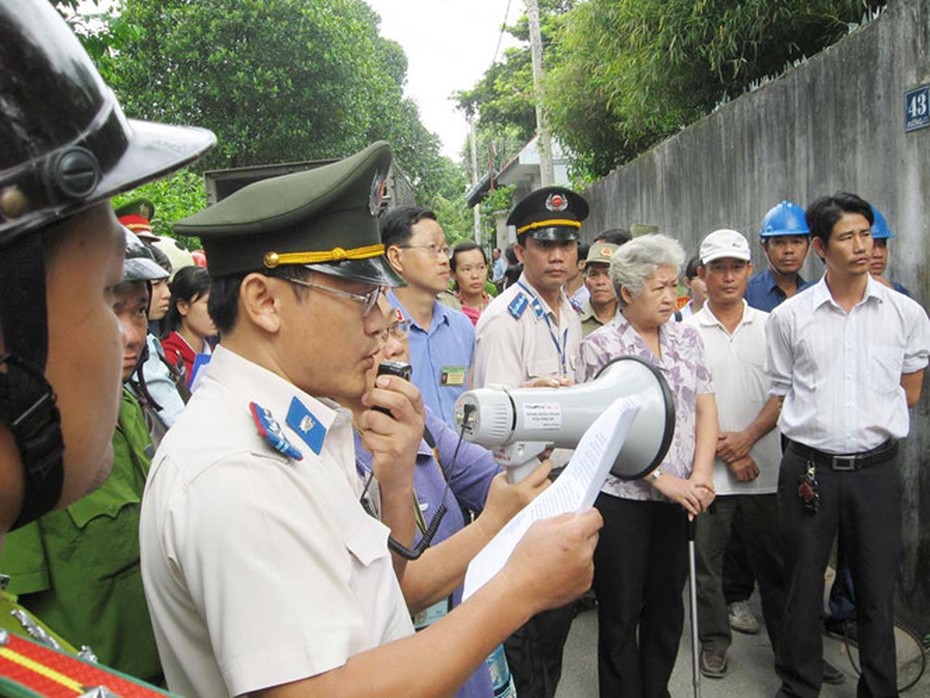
601, 253
325, 219
137, 207
639, 229
550, 213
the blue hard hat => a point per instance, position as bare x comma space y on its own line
880, 229
785, 218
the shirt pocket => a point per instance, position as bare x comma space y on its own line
885, 363
543, 366
104, 531
367, 542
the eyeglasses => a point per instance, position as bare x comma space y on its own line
368, 300
400, 330
434, 250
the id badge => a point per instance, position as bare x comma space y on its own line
452, 375
430, 615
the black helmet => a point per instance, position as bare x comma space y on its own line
139, 263
66, 142
65, 145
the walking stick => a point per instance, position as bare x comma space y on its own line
692, 576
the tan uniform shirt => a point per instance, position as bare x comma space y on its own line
518, 338
260, 569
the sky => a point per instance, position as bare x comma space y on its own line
449, 44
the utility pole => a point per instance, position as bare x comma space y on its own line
473, 137
544, 140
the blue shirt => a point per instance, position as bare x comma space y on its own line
469, 479
499, 269
763, 293
160, 385
441, 356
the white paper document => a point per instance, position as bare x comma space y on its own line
574, 490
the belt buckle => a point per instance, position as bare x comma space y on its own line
843, 463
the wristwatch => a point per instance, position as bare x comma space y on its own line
655, 474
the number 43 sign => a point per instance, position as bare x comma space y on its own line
917, 108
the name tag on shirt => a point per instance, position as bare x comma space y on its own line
452, 375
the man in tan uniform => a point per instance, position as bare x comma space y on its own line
530, 335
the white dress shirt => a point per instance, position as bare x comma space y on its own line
840, 373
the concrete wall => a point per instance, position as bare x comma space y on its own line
834, 123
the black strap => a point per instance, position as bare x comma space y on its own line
27, 403
429, 438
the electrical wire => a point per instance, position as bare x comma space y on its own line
500, 37
921, 658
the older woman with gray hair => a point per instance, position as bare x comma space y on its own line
641, 562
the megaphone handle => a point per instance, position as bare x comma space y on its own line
516, 473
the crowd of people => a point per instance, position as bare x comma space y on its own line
275, 515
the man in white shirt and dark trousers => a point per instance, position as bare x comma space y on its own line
848, 357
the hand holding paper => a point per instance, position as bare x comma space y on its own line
574, 491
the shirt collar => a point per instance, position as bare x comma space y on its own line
257, 384
772, 285
706, 317
440, 311
822, 294
525, 285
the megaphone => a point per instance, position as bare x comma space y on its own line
518, 424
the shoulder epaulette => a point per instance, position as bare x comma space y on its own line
31, 670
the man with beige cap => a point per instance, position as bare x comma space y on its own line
601, 305
746, 463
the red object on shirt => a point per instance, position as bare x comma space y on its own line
176, 348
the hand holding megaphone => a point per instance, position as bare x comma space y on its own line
519, 424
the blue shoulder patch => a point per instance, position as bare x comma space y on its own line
306, 425
538, 309
517, 306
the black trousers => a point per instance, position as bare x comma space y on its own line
738, 577
640, 568
866, 505
534, 652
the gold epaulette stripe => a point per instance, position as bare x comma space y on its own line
549, 223
337, 254
29, 668
41, 670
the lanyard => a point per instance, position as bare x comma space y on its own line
559, 347
423, 528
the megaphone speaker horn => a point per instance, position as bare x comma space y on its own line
521, 422
653, 428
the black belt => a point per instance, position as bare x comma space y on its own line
850, 461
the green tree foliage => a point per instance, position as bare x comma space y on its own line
628, 73
276, 80
175, 196
503, 99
